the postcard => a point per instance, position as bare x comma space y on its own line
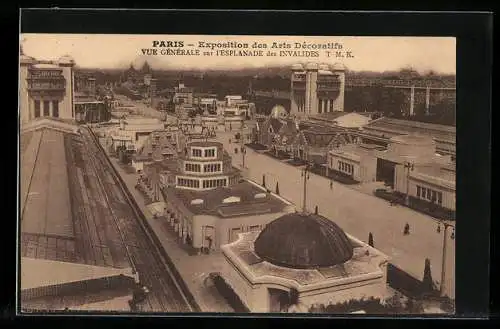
237, 174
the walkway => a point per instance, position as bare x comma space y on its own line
358, 214
194, 269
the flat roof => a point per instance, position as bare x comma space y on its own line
62, 216
213, 200
205, 144
402, 127
37, 273
45, 203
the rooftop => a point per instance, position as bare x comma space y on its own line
43, 273
62, 215
390, 127
46, 66
242, 254
299, 240
205, 144
413, 139
213, 200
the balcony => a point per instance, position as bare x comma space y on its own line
324, 88
37, 84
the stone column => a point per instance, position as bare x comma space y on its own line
412, 99
427, 100
31, 108
51, 109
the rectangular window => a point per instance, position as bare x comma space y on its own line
423, 192
440, 198
429, 196
46, 110
434, 197
209, 153
55, 109
196, 152
254, 228
37, 109
418, 191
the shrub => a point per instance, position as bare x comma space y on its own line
392, 305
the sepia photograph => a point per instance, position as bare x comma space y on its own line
237, 174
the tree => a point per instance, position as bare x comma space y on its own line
427, 282
277, 189
370, 239
264, 181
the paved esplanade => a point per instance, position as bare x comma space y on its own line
358, 214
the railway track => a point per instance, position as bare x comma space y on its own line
167, 293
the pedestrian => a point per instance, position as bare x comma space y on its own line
407, 229
331, 185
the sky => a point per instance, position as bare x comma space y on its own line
368, 53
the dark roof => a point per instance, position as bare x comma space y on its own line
213, 200
276, 124
318, 139
300, 240
289, 129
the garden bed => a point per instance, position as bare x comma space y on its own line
422, 206
281, 155
256, 146
338, 177
297, 162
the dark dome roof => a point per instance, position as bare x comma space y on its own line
303, 241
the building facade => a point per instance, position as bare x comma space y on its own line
299, 260
316, 88
46, 88
409, 165
207, 203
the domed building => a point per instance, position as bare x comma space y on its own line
300, 260
310, 241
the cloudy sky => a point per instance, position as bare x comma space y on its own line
370, 53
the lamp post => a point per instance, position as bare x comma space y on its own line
305, 175
408, 166
243, 153
445, 244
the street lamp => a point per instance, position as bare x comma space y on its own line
305, 175
408, 166
445, 244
